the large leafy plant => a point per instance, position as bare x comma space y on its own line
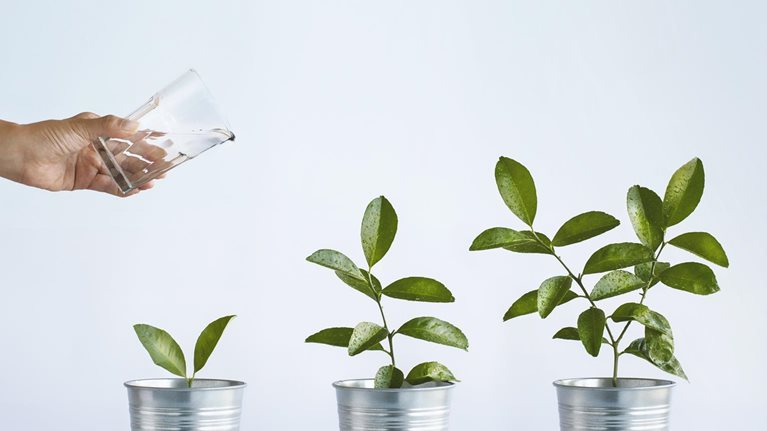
651, 219
166, 352
379, 226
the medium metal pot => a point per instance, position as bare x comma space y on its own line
595, 404
170, 405
361, 407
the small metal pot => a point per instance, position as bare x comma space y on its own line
170, 405
595, 404
361, 407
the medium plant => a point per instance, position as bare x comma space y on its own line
651, 219
166, 353
379, 226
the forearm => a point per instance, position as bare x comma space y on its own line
11, 158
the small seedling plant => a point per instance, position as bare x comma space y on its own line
379, 226
651, 218
166, 353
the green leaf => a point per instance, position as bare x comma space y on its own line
642, 314
527, 243
389, 376
365, 336
704, 245
639, 349
643, 271
419, 289
683, 192
336, 261
362, 285
517, 189
436, 331
583, 227
528, 304
498, 237
379, 226
551, 293
429, 372
646, 214
338, 337
617, 256
660, 346
568, 333
616, 283
591, 327
691, 277
162, 348
208, 340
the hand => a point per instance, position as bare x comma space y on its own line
57, 155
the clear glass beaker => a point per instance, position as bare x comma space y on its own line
175, 125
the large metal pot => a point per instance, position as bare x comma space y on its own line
170, 405
361, 407
595, 404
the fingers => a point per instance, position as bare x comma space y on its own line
105, 184
85, 116
114, 127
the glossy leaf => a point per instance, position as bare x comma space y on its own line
436, 331
528, 304
645, 210
639, 349
338, 337
617, 256
429, 372
616, 283
660, 346
517, 189
162, 348
643, 271
642, 314
529, 244
551, 293
362, 286
567, 333
583, 227
499, 237
683, 192
691, 277
419, 289
365, 336
389, 376
591, 327
208, 340
704, 245
336, 261
379, 226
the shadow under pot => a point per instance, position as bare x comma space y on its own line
361, 407
170, 404
595, 404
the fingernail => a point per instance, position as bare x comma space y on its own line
129, 125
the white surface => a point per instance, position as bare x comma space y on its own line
336, 102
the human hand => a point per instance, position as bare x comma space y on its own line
57, 155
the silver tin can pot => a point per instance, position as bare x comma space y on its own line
595, 404
361, 407
170, 405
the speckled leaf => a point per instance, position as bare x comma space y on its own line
498, 237
362, 285
379, 226
528, 304
567, 333
583, 227
617, 256
162, 348
527, 243
208, 340
429, 372
389, 376
616, 283
551, 293
336, 261
660, 346
704, 245
642, 314
338, 337
683, 192
517, 189
691, 277
436, 331
419, 289
591, 327
365, 336
639, 349
643, 271
646, 214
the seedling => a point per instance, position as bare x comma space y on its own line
651, 219
379, 226
166, 353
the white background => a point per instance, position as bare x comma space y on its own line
334, 103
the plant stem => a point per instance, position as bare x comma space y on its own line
646, 288
389, 334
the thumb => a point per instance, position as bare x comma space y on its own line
109, 126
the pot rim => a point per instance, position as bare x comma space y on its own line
651, 384
342, 384
141, 384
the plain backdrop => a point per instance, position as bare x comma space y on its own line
335, 103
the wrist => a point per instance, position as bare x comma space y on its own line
11, 154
